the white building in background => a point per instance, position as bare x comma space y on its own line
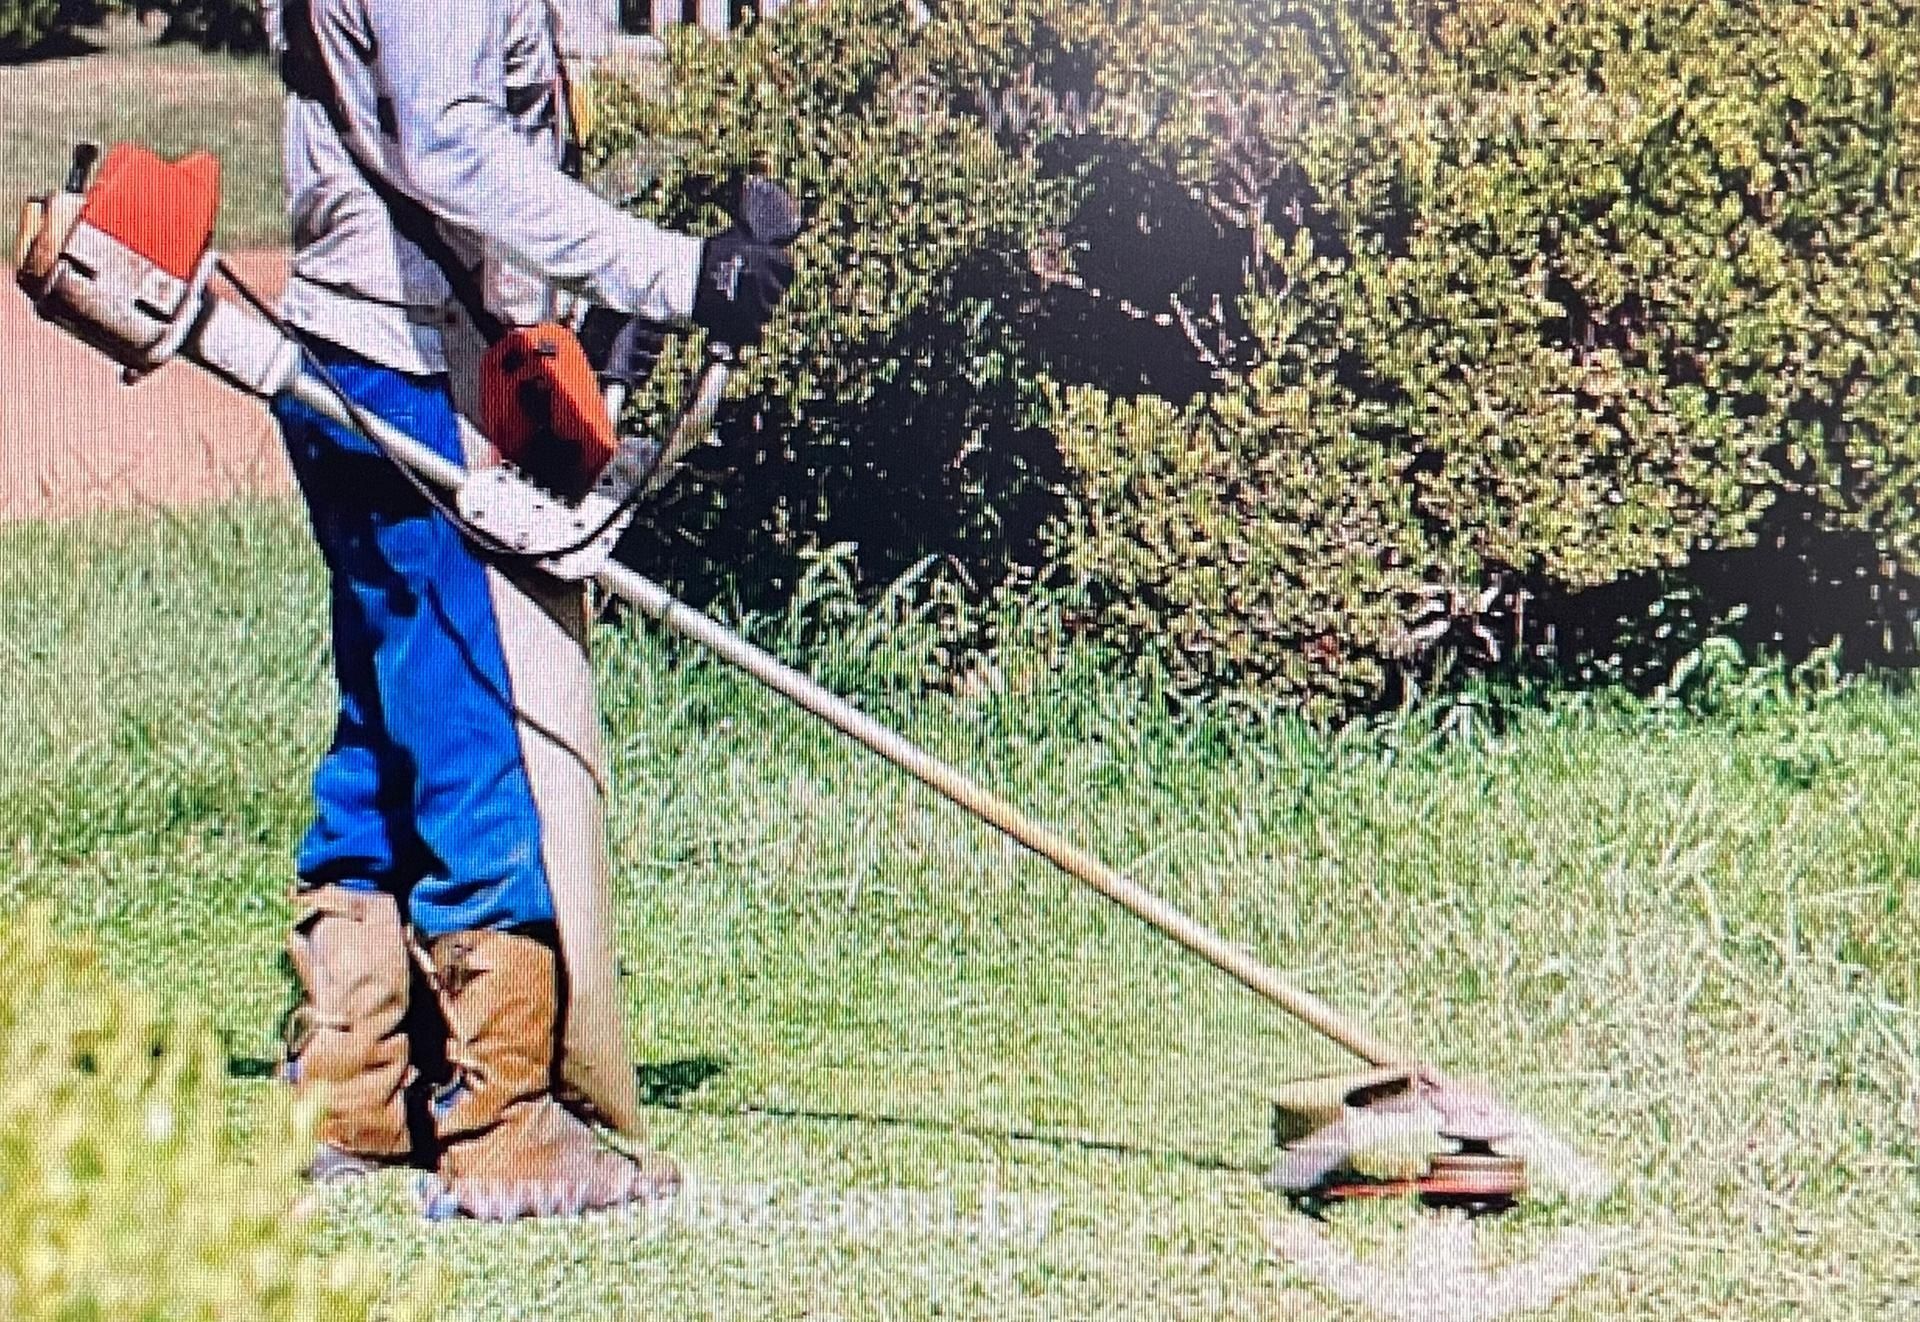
591, 24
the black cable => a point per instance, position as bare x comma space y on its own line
355, 414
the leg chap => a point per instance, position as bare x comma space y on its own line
508, 1147
347, 1041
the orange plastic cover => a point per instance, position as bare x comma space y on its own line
163, 210
541, 407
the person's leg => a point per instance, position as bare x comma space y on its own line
543, 627
347, 1038
543, 632
484, 697
425, 791
509, 1147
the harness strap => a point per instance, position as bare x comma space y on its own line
307, 75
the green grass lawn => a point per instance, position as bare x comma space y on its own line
1689, 945
170, 98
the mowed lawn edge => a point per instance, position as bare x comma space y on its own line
1685, 943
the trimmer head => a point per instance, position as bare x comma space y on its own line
1394, 1131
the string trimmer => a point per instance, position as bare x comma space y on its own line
127, 265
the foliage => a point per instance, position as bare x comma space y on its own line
839, 986
24, 24
28, 25
1314, 350
886, 405
227, 25
124, 1189
1541, 299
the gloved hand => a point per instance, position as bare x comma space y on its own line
742, 281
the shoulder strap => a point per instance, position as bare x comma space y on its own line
573, 125
304, 70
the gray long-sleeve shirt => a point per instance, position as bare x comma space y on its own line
457, 104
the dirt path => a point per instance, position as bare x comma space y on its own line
74, 439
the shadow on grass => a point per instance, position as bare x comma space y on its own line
671, 1082
668, 1084
1057, 1141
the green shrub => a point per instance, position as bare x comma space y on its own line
24, 24
123, 1190
1318, 350
879, 410
27, 26
229, 25
1537, 310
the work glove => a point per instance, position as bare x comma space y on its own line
742, 280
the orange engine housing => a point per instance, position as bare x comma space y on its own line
162, 210
119, 264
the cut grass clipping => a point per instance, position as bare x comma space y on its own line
915, 1074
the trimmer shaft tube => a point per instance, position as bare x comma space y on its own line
658, 604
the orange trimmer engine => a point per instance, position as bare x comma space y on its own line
123, 264
541, 406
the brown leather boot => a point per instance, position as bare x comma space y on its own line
508, 1148
347, 1039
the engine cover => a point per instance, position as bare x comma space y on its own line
123, 265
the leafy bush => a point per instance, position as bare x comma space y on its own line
24, 24
28, 25
124, 1190
887, 405
229, 25
1527, 314
1317, 349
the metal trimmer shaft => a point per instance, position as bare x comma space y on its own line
652, 599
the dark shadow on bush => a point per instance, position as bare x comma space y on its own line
32, 31
233, 26
59, 46
937, 462
1141, 245
1139, 242
1803, 586
1800, 588
1062, 1142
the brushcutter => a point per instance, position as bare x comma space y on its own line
127, 265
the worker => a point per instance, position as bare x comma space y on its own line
452, 934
